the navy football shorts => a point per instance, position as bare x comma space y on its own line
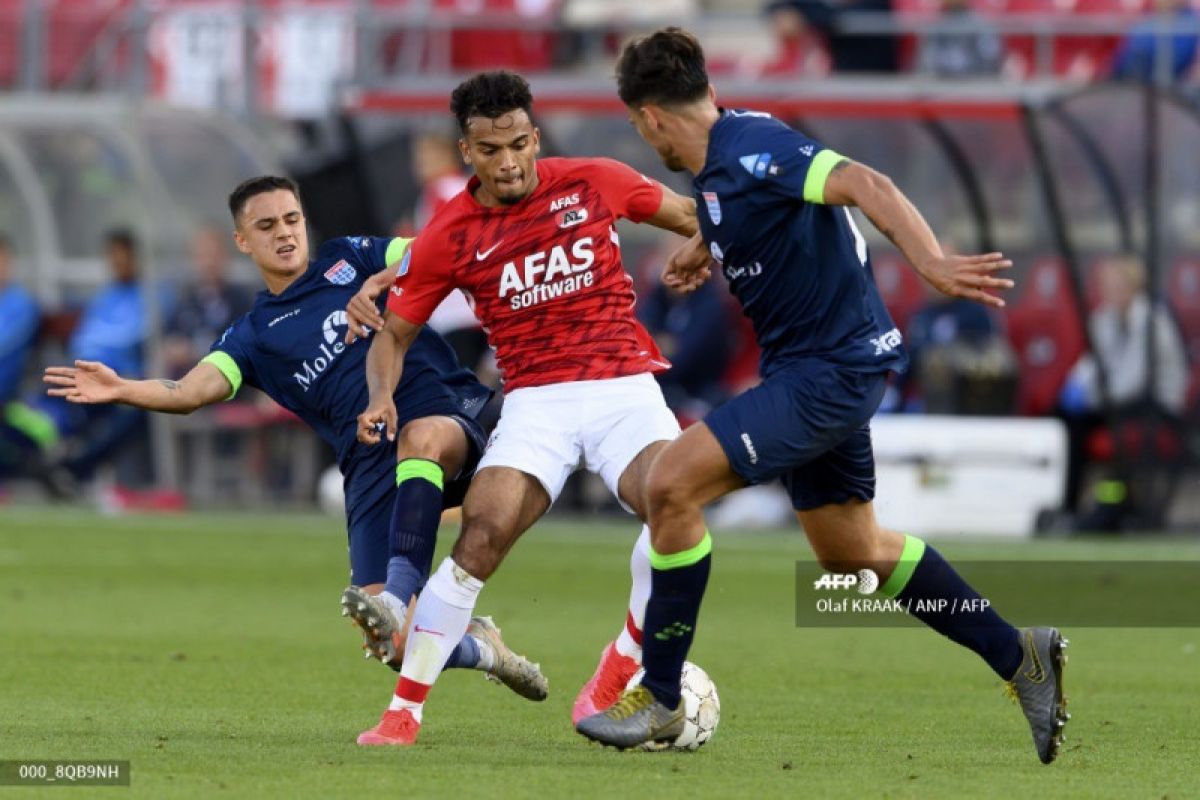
371, 493
808, 424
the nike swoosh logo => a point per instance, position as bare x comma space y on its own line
480, 255
1036, 673
419, 629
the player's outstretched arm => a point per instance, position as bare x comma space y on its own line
362, 315
688, 267
972, 277
385, 363
90, 382
676, 213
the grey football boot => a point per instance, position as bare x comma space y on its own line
380, 629
1037, 687
382, 633
635, 719
514, 671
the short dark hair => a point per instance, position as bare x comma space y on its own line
491, 95
121, 237
260, 185
664, 68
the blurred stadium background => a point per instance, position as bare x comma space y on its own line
200, 641
1063, 132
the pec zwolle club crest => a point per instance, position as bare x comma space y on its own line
340, 273
714, 207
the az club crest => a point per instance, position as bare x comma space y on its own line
340, 273
714, 207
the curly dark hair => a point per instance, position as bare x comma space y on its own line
664, 68
259, 185
491, 95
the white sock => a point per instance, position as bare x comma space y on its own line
395, 605
639, 593
487, 656
439, 621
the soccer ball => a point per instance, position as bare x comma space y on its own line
701, 708
331, 496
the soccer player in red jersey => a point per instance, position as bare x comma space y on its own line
533, 244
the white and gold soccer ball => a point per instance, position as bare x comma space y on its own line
701, 708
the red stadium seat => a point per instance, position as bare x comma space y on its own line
1076, 57
1046, 331
480, 46
10, 42
1132, 437
74, 28
1183, 296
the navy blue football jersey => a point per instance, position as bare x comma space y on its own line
291, 346
799, 268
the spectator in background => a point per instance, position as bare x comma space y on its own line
20, 314
694, 331
959, 360
207, 305
1137, 53
438, 167
962, 44
798, 47
112, 331
848, 53
18, 425
1120, 329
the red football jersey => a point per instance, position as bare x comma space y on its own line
544, 275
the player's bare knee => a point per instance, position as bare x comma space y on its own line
667, 494
434, 439
421, 438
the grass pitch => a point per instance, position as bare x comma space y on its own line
207, 649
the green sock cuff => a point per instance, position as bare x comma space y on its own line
419, 468
1111, 492
682, 559
36, 425
910, 556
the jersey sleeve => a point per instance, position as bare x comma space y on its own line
229, 354
626, 191
372, 254
423, 281
794, 166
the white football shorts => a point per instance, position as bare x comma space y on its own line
550, 431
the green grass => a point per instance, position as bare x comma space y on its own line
207, 649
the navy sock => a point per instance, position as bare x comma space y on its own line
677, 585
416, 514
403, 578
465, 654
923, 575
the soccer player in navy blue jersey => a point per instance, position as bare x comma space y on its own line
295, 345
773, 214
